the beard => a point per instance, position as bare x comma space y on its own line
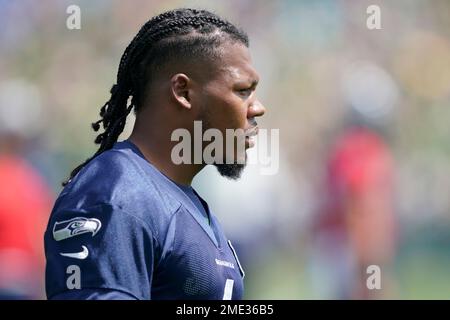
231, 171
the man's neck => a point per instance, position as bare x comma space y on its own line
158, 150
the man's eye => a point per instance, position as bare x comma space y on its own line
244, 92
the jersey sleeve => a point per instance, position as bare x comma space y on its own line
95, 249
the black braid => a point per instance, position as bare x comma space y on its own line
170, 35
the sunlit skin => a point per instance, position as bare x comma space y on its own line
221, 94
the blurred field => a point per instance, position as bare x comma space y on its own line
421, 270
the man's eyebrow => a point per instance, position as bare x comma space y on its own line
254, 83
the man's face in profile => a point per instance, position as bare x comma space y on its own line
228, 101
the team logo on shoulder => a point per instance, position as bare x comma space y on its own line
73, 227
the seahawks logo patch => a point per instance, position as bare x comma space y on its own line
73, 227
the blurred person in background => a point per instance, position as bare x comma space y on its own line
25, 198
355, 227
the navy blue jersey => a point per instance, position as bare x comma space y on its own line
122, 230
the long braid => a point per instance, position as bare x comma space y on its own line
172, 25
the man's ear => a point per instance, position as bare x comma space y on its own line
180, 86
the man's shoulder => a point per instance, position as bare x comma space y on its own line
115, 166
119, 180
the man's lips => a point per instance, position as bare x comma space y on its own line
249, 137
251, 132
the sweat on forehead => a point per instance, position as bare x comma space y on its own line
236, 64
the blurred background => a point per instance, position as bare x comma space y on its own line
363, 117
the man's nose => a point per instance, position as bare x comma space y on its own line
256, 109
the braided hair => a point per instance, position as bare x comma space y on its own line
175, 34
